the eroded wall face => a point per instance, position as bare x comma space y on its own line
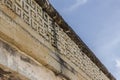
22, 64
25, 25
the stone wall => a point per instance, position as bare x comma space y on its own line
46, 47
24, 65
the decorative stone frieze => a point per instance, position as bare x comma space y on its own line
43, 24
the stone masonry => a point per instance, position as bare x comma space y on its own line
37, 44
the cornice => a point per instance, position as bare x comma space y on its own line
52, 12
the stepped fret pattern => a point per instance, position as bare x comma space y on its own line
43, 24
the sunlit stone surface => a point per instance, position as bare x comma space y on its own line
37, 44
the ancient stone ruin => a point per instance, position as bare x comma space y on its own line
37, 44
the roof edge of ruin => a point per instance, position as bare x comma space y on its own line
52, 12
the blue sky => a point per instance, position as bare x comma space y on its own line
97, 22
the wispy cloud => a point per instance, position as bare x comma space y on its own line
76, 5
117, 73
118, 63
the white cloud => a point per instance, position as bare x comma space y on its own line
118, 64
117, 72
77, 4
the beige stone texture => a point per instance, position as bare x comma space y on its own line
34, 47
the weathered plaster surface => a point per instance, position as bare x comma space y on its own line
23, 65
36, 43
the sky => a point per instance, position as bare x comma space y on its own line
97, 22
